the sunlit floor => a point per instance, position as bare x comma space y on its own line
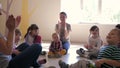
69, 58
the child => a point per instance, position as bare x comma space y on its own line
24, 59
15, 44
109, 55
56, 49
94, 43
17, 37
31, 38
118, 26
32, 35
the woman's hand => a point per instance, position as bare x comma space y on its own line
10, 23
18, 20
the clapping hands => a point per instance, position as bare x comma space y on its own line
18, 20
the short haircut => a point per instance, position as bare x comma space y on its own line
118, 26
63, 13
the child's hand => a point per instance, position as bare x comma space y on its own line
10, 23
88, 46
91, 47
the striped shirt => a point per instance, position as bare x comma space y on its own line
110, 52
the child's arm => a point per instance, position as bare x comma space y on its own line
60, 46
51, 48
37, 39
99, 44
99, 62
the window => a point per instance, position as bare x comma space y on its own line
92, 11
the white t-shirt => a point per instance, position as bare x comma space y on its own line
29, 39
96, 43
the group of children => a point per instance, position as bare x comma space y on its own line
12, 54
59, 45
30, 38
107, 56
23, 57
61, 40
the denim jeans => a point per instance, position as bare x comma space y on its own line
66, 45
26, 58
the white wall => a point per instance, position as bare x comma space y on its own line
46, 16
80, 32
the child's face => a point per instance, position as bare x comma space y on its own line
34, 32
95, 32
17, 38
55, 37
113, 38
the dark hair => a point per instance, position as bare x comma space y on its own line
32, 27
63, 13
118, 26
93, 28
17, 31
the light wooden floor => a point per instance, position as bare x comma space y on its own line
69, 58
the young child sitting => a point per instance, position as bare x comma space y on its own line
94, 43
109, 55
56, 50
32, 37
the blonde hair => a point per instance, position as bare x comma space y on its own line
53, 34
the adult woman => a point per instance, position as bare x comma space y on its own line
63, 29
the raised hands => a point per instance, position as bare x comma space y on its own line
18, 20
10, 23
